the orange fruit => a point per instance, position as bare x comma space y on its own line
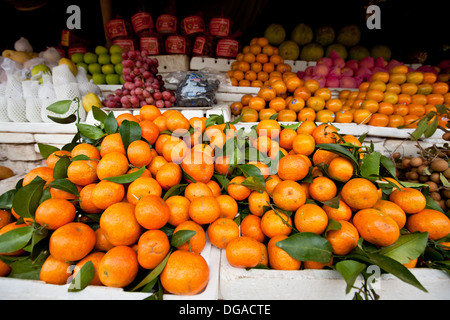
310, 218
292, 167
391, 209
107, 193
315, 103
243, 252
325, 116
379, 120
344, 116
83, 172
204, 210
55, 271
112, 143
228, 206
126, 116
340, 169
152, 212
85, 149
72, 242
54, 213
142, 186
416, 109
376, 227
269, 128
306, 114
342, 212
45, 173
222, 231
395, 121
236, 190
288, 195
179, 209
432, 221
276, 223
323, 156
280, 259
112, 164
322, 189
343, 240
256, 202
286, 138
196, 190
149, 112
95, 258
440, 87
169, 175
119, 223
359, 193
102, 243
409, 199
54, 157
118, 267
139, 153
361, 116
197, 242
251, 227
324, 133
304, 143
312, 85
153, 247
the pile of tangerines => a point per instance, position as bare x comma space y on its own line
396, 99
189, 191
257, 62
399, 98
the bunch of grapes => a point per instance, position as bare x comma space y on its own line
143, 85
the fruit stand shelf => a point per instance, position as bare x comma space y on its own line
12, 289
260, 284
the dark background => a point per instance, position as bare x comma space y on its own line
406, 26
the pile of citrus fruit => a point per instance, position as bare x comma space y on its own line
257, 62
132, 201
288, 98
395, 99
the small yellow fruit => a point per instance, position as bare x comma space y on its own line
72, 66
89, 100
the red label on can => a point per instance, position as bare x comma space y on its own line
193, 24
219, 27
198, 45
116, 28
142, 21
151, 44
166, 24
125, 44
176, 44
71, 51
227, 48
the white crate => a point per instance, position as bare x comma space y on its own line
18, 289
260, 284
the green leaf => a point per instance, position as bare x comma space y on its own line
65, 185
237, 120
130, 131
80, 157
431, 129
99, 114
350, 269
60, 170
6, 199
15, 239
181, 237
175, 190
83, 277
444, 180
274, 116
407, 247
25, 268
127, 178
389, 166
334, 202
90, 131
307, 246
422, 126
253, 183
69, 119
340, 150
395, 268
111, 124
26, 200
250, 170
222, 180
293, 126
153, 274
370, 165
431, 204
46, 149
60, 107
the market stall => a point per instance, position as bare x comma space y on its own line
188, 155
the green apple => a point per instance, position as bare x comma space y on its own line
115, 49
100, 50
118, 68
83, 65
116, 58
77, 57
122, 80
108, 69
99, 78
94, 68
104, 58
112, 79
90, 57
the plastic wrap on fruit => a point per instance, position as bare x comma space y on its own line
196, 90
